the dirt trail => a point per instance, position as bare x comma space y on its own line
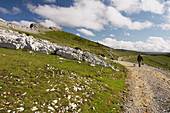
149, 89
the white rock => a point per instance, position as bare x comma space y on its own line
34, 108
8, 111
69, 97
20, 109
72, 105
51, 108
79, 62
14, 40
48, 90
55, 101
92, 65
75, 88
52, 89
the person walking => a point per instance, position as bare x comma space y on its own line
139, 59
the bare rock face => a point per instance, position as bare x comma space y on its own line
3, 22
54, 29
34, 28
39, 27
14, 40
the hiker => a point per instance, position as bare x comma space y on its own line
139, 59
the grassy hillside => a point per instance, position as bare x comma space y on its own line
67, 39
40, 82
162, 61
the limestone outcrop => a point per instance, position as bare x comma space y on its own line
34, 28
37, 27
14, 40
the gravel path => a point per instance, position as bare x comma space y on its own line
149, 89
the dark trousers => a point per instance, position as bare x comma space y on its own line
139, 64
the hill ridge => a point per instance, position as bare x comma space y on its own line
34, 28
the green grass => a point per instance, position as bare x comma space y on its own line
63, 38
34, 79
154, 61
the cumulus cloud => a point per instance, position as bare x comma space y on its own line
14, 10
165, 26
90, 14
112, 35
3, 10
86, 32
50, 1
118, 20
153, 6
135, 6
152, 44
49, 23
128, 6
23, 23
83, 13
127, 34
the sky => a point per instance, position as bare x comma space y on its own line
140, 25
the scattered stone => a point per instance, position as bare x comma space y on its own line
34, 108
20, 109
79, 62
51, 108
92, 65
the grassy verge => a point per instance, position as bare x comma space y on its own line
39, 82
162, 62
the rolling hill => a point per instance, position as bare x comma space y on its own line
31, 81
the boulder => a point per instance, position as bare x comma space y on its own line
14, 40
8, 45
54, 29
40, 27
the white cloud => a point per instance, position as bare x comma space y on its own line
128, 6
50, 1
167, 3
112, 35
127, 34
49, 23
86, 32
14, 10
152, 44
90, 14
135, 6
3, 10
165, 26
118, 20
83, 13
23, 23
153, 6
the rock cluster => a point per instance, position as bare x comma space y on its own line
15, 40
34, 28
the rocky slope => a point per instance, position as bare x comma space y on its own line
14, 40
34, 28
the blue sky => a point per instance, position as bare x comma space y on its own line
141, 25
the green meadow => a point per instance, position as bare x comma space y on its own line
32, 82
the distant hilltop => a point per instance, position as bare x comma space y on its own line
34, 28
